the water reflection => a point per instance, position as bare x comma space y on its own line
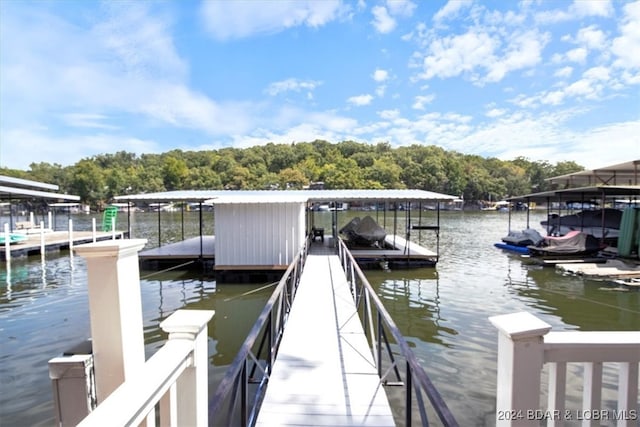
443, 312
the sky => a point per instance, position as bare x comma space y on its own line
546, 80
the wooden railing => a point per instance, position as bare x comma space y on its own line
525, 344
174, 379
416, 382
238, 396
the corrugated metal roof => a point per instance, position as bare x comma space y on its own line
586, 193
27, 183
25, 193
291, 196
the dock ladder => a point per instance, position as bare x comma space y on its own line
109, 218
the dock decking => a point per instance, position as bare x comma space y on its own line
324, 373
55, 240
188, 249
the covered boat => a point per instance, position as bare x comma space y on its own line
574, 243
600, 223
364, 232
517, 241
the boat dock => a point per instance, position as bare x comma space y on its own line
611, 269
401, 252
55, 241
324, 373
184, 252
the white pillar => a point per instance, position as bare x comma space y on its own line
192, 387
115, 310
520, 360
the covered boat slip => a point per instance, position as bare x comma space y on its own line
324, 373
263, 230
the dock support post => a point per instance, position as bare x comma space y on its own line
520, 360
115, 311
192, 388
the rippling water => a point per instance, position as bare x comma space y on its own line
443, 312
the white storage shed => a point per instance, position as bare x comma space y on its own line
258, 231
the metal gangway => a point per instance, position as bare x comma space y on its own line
336, 362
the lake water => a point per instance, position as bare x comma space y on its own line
442, 311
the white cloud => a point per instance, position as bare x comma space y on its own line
524, 51
291, 85
360, 100
64, 149
495, 112
584, 8
382, 21
226, 20
627, 46
454, 55
402, 8
87, 120
451, 9
577, 10
578, 55
592, 38
564, 72
421, 101
380, 75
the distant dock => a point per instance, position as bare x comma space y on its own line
56, 241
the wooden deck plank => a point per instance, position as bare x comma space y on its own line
324, 373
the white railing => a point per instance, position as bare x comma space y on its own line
525, 344
175, 379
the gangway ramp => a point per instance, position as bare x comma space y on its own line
324, 373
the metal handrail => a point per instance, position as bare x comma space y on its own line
366, 299
256, 355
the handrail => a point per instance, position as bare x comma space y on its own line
526, 343
365, 296
172, 371
266, 335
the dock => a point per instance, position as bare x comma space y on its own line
611, 269
324, 373
183, 252
55, 241
398, 252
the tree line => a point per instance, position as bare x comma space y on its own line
344, 165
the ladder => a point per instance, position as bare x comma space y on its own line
109, 218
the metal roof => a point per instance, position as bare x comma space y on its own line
582, 193
627, 173
287, 196
27, 183
24, 193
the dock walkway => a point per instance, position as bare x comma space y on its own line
324, 373
55, 241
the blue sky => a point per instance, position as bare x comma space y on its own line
547, 80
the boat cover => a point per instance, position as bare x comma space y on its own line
526, 237
365, 231
573, 243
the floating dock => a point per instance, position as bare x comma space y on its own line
398, 253
611, 269
55, 241
324, 373
185, 252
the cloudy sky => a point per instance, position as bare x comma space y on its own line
547, 80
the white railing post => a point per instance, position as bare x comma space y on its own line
191, 390
520, 360
115, 311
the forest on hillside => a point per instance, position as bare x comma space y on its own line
344, 165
